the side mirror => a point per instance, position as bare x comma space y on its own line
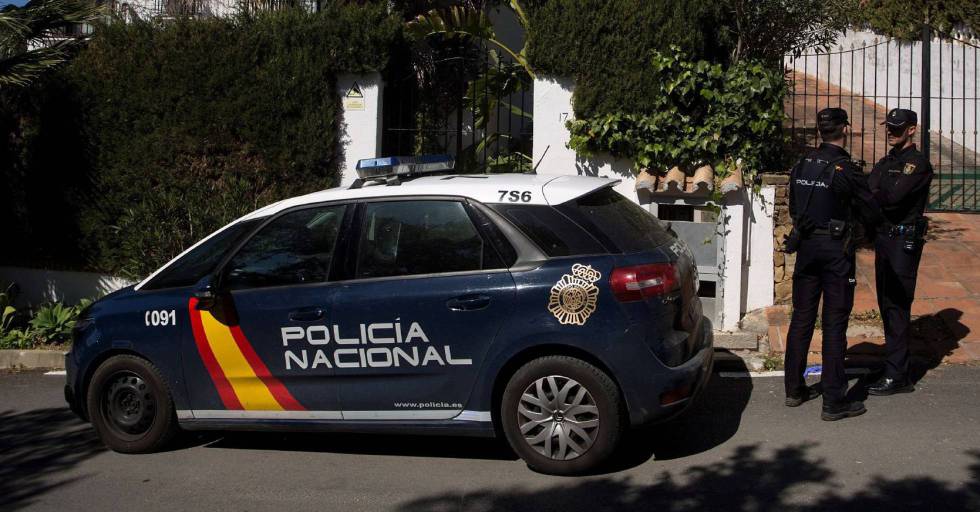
206, 293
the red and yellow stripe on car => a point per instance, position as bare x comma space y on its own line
243, 381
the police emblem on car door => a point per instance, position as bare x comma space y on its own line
574, 297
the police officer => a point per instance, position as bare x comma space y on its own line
826, 188
900, 184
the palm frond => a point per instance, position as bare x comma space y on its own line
33, 38
461, 22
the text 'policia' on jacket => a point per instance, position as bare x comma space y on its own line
547, 309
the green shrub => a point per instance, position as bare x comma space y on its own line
606, 45
903, 19
53, 322
50, 323
699, 112
196, 122
8, 313
186, 124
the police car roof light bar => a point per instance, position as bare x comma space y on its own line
393, 166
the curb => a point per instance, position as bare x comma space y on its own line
32, 359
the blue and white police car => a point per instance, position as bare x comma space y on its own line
547, 309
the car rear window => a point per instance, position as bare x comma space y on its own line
555, 234
201, 260
620, 224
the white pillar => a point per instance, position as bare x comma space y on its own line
360, 97
758, 285
552, 108
733, 226
551, 154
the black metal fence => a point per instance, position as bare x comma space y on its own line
473, 104
938, 80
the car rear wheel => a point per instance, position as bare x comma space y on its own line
130, 406
562, 415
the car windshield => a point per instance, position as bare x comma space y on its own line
196, 264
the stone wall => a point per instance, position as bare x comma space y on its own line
783, 264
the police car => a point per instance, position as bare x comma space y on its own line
550, 310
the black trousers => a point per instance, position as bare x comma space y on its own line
895, 275
822, 269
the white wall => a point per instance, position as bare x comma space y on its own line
552, 108
361, 137
37, 285
953, 65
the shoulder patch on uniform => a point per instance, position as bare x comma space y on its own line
838, 168
909, 168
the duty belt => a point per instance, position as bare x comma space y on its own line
818, 232
896, 229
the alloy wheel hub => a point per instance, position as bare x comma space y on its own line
558, 417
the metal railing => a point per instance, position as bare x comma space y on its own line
938, 80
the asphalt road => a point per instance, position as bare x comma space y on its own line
738, 449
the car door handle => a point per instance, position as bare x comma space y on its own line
306, 315
468, 302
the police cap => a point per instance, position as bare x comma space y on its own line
901, 117
830, 118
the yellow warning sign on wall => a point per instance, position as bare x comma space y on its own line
354, 99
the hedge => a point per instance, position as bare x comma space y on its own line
903, 19
653, 82
187, 124
606, 45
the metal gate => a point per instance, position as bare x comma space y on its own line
867, 78
474, 104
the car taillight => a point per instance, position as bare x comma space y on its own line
643, 281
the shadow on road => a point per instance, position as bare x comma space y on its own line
748, 481
367, 444
712, 420
933, 337
36, 448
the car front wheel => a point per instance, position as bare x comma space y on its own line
130, 406
562, 415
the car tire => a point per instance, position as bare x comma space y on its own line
130, 405
562, 415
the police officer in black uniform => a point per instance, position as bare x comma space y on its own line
900, 184
826, 190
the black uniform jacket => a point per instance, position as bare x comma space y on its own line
852, 195
900, 184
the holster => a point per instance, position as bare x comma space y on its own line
837, 229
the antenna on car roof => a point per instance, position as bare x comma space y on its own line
535, 169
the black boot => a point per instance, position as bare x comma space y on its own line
804, 394
841, 410
889, 386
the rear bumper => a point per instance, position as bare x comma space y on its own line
662, 392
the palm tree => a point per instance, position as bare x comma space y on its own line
37, 37
496, 84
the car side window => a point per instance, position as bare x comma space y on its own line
401, 238
296, 248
